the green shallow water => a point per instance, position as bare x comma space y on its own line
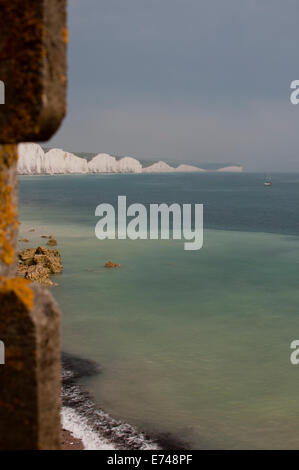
191, 343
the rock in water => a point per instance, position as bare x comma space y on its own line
37, 273
26, 256
109, 264
37, 264
52, 241
50, 259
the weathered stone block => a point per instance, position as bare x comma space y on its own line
8, 209
33, 39
30, 380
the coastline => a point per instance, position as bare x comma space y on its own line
84, 426
69, 442
33, 160
105, 312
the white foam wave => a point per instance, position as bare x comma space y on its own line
78, 426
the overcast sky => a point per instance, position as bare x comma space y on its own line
184, 80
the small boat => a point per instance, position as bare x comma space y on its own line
268, 181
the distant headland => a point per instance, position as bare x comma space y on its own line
34, 160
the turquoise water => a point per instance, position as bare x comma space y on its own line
191, 343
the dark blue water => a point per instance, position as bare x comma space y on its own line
231, 201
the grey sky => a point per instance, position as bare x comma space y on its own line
184, 80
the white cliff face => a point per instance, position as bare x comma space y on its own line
129, 165
159, 167
31, 159
162, 167
188, 168
231, 169
104, 163
34, 161
58, 161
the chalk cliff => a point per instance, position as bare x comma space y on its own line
231, 169
188, 168
34, 161
159, 167
104, 163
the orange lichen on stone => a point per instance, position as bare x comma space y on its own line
65, 35
8, 210
21, 288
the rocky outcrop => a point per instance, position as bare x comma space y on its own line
109, 264
37, 264
37, 273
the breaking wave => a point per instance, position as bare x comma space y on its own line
96, 428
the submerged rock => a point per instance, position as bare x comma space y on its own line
109, 264
52, 241
37, 264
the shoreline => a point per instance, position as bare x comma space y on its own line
85, 426
69, 442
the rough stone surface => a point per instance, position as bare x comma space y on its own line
37, 264
8, 209
30, 380
38, 274
33, 41
26, 256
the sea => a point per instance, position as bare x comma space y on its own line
189, 349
